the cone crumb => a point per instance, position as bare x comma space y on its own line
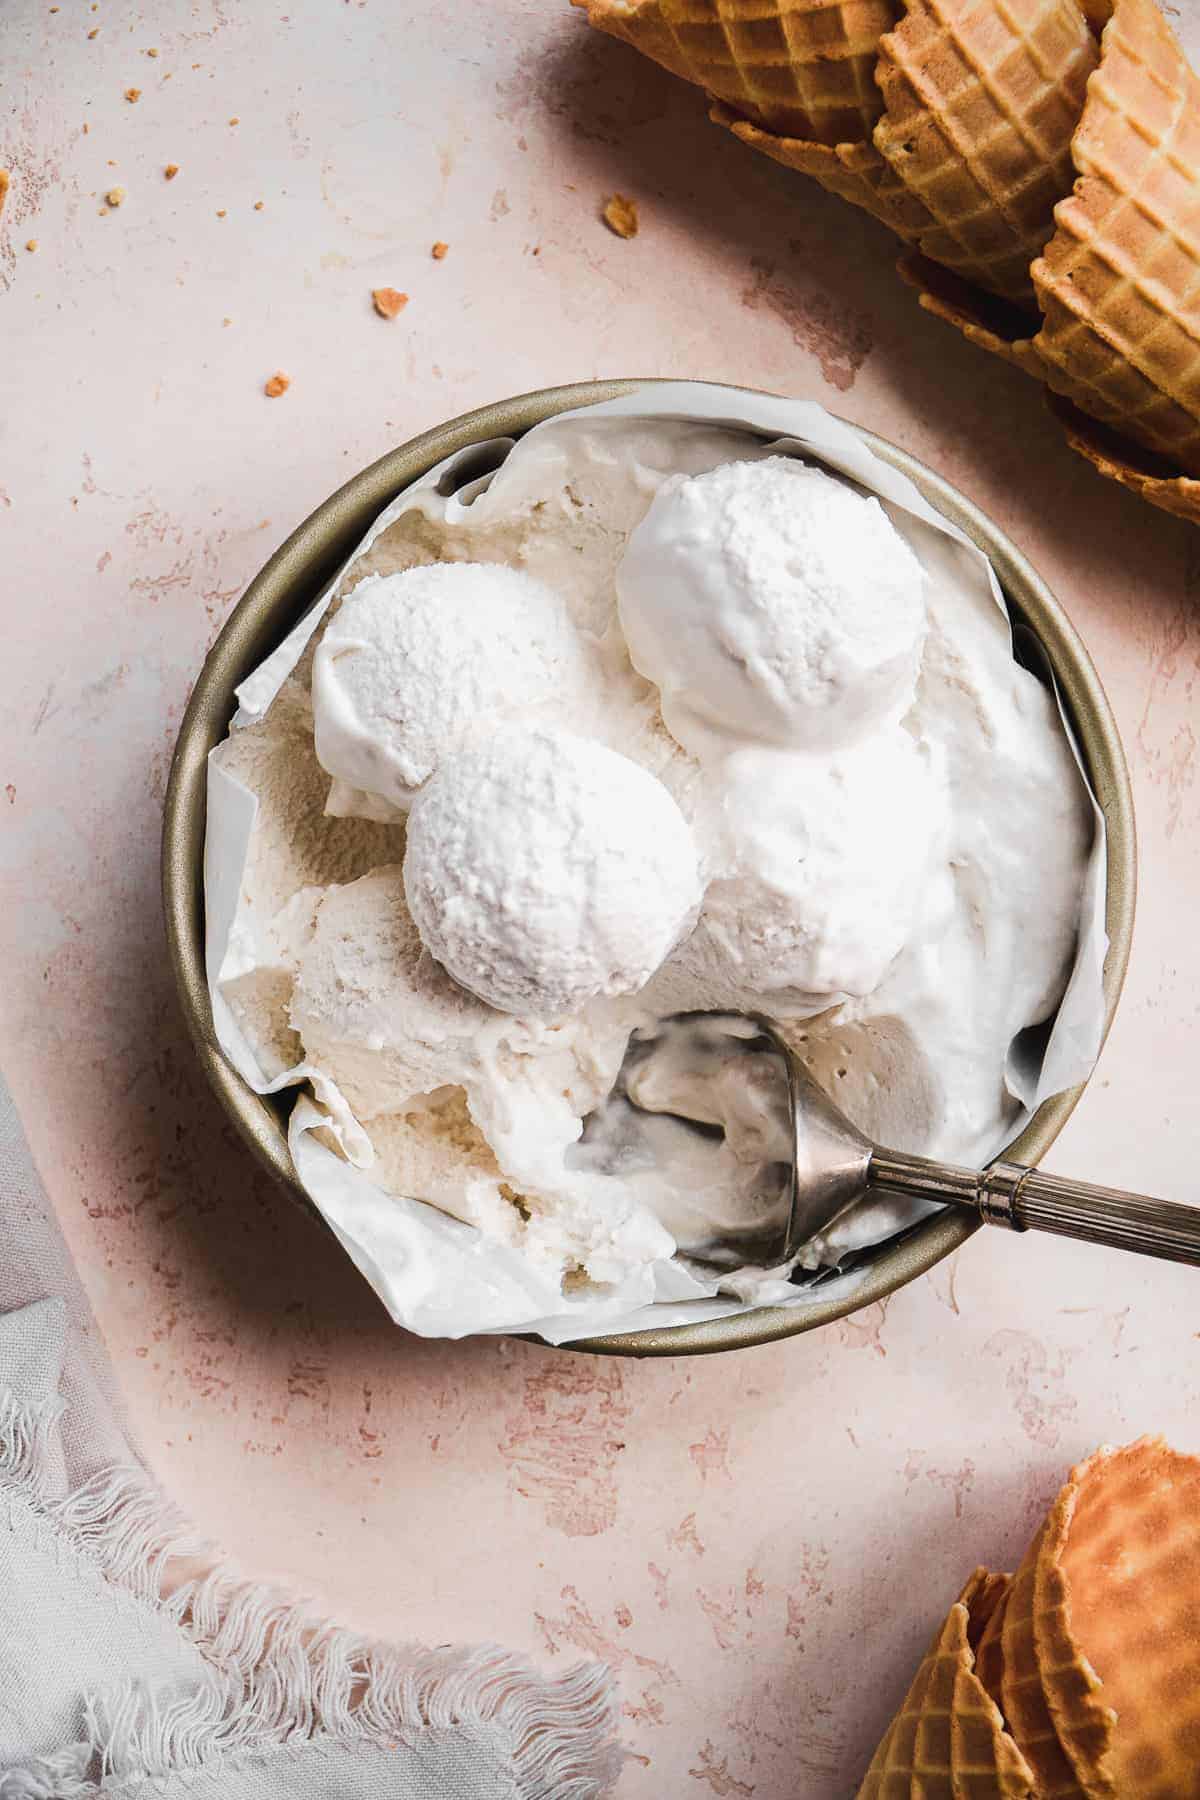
387, 302
5, 180
439, 250
235, 121
114, 196
170, 172
222, 212
94, 32
258, 206
31, 245
133, 95
279, 383
152, 53
621, 215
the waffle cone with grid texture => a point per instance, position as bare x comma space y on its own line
1119, 284
1130, 1563
965, 149
1148, 476
948, 1740
1090, 1656
990, 323
799, 68
853, 171
980, 103
1010, 1655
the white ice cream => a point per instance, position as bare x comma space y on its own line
412, 663
872, 804
829, 862
771, 603
544, 870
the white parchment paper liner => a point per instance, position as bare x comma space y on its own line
435, 1275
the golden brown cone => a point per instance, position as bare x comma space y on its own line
1119, 284
981, 101
1142, 473
1082, 1718
1130, 1561
1022, 1697
948, 1740
802, 68
854, 172
987, 322
989, 1658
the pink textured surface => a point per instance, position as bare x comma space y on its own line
759, 1543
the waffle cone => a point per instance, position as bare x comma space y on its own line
1142, 473
801, 68
1083, 1720
980, 104
1119, 283
948, 1740
1009, 1653
1130, 1565
989, 323
855, 172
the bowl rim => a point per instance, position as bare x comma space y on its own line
297, 572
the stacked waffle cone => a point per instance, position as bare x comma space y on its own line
1039, 158
1078, 1678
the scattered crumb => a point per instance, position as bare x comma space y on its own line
439, 250
621, 215
235, 121
5, 180
222, 211
94, 32
86, 128
170, 172
278, 384
258, 206
54, 9
32, 244
227, 321
152, 53
388, 302
115, 196
133, 95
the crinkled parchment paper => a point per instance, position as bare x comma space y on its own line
440, 1277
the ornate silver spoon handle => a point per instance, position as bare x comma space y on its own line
1024, 1199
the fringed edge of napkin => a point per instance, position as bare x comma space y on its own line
282, 1681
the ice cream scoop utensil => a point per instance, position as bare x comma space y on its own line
833, 1164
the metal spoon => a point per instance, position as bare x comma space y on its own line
680, 1071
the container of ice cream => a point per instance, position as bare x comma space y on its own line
484, 767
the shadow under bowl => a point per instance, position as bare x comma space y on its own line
303, 566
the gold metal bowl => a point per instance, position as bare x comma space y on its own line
302, 567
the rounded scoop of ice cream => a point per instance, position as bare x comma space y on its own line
768, 601
831, 864
543, 869
414, 661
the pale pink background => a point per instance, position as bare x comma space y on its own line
759, 1543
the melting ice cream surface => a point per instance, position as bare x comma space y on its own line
699, 1125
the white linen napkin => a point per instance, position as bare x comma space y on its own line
132, 1663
